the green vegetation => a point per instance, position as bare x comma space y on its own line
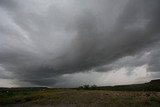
153, 85
80, 97
84, 96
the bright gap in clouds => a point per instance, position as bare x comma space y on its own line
7, 83
120, 76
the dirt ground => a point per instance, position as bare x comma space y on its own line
84, 98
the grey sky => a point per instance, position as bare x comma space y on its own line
55, 42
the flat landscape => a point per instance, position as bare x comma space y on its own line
79, 98
79, 53
137, 95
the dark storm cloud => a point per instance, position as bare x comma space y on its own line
128, 62
39, 44
154, 62
8, 4
94, 47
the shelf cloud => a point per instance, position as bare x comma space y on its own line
41, 41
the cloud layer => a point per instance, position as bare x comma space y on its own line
40, 41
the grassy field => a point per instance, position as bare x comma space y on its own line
77, 98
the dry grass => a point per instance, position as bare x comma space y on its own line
81, 98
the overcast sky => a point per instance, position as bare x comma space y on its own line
68, 43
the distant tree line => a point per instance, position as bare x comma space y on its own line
154, 85
88, 87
